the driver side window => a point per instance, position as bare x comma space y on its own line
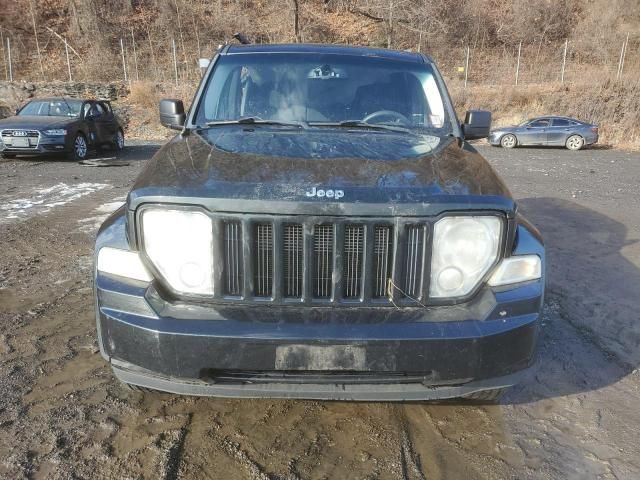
86, 108
543, 122
96, 110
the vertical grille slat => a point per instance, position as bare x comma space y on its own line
352, 265
233, 258
292, 260
323, 260
382, 251
263, 269
414, 261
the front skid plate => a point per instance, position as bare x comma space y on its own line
358, 392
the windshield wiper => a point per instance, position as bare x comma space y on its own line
361, 124
256, 121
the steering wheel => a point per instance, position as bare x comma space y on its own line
387, 113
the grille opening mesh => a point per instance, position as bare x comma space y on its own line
353, 256
323, 260
414, 261
233, 264
382, 260
263, 258
292, 260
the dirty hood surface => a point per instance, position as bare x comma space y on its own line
263, 164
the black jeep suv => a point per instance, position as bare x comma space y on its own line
320, 228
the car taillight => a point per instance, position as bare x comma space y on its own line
594, 129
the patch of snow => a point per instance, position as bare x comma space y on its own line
91, 224
45, 199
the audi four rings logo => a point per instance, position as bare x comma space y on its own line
320, 193
19, 133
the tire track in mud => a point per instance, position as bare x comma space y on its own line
411, 468
174, 455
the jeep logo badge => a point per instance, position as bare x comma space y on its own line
320, 193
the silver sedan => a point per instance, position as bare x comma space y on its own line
554, 131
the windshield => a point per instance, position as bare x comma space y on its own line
323, 89
52, 108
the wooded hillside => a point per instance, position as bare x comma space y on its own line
492, 29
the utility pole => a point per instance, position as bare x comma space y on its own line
175, 59
9, 56
124, 61
466, 68
564, 59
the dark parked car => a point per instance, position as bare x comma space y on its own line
320, 228
48, 126
553, 131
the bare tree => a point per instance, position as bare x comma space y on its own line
295, 6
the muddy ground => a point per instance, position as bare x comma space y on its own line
62, 414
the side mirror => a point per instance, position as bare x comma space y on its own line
172, 114
477, 124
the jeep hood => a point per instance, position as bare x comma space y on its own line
257, 169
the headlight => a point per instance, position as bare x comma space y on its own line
464, 249
55, 132
180, 246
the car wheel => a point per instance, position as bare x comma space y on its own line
575, 142
508, 141
118, 141
486, 396
80, 149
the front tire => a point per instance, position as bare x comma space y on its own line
118, 141
508, 141
80, 148
574, 142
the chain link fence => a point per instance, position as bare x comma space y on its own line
137, 56
533, 65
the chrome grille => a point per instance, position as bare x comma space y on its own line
263, 273
21, 133
323, 261
382, 258
9, 138
352, 266
293, 260
233, 259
